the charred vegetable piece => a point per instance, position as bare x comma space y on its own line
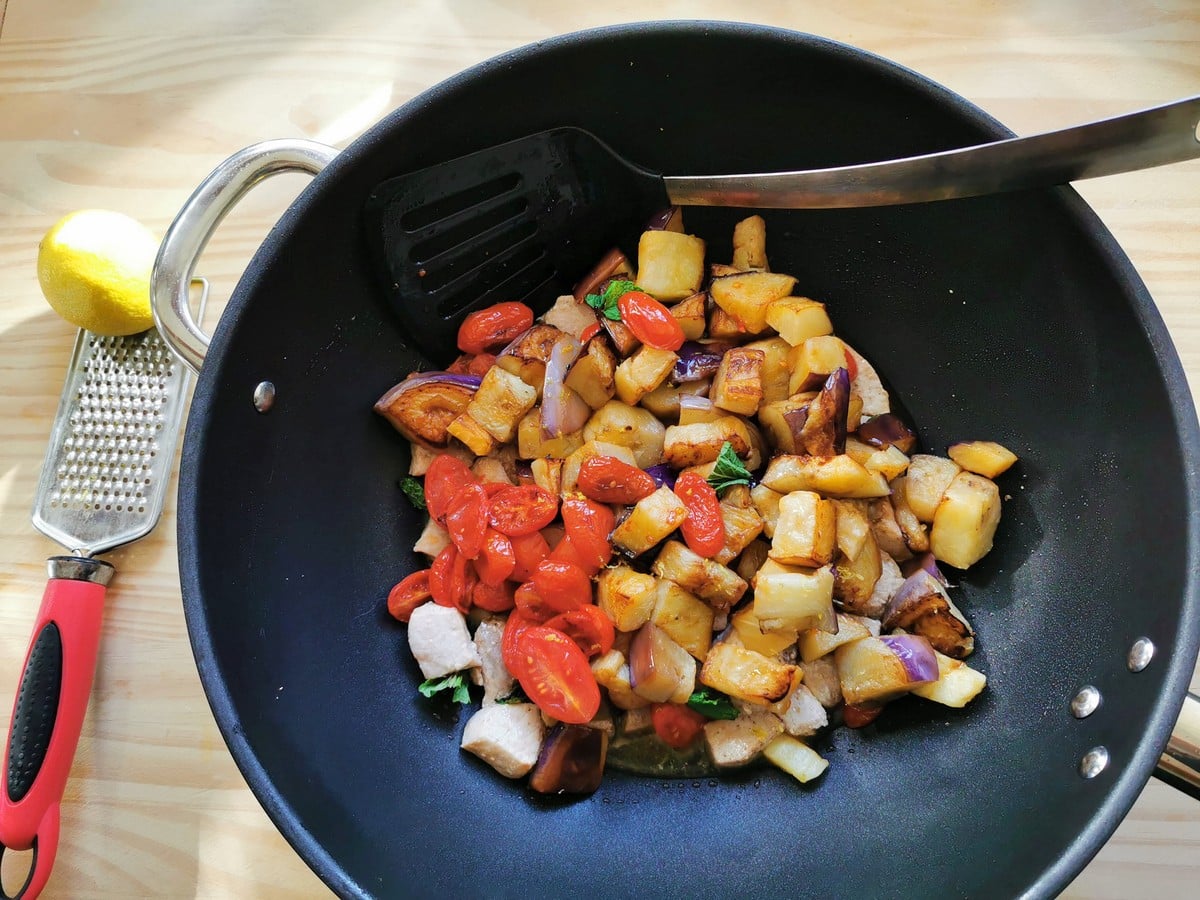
922, 606
659, 669
422, 407
957, 685
745, 296
670, 264
966, 519
571, 761
750, 243
887, 430
878, 669
822, 430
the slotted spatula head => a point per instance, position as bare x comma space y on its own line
519, 221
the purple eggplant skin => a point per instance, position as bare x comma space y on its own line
571, 761
887, 430
928, 563
662, 475
915, 654
821, 431
698, 361
921, 606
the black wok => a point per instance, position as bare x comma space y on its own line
1015, 318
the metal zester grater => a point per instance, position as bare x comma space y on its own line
102, 485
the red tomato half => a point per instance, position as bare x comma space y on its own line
496, 559
466, 519
528, 551
588, 627
531, 605
562, 585
650, 321
493, 597
703, 529
518, 511
451, 579
588, 525
676, 726
607, 479
555, 675
444, 478
516, 624
492, 328
410, 593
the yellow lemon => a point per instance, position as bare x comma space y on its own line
94, 268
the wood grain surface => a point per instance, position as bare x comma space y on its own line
127, 104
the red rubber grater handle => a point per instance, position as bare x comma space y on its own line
48, 712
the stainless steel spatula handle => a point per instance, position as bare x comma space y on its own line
1140, 140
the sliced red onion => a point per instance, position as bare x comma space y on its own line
922, 606
612, 263
698, 361
563, 411
915, 654
663, 474
928, 563
887, 430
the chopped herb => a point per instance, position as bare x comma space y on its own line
729, 470
517, 696
712, 704
414, 491
456, 682
606, 303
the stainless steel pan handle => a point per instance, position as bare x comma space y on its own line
189, 233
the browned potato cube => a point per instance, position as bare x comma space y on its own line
986, 458
663, 401
774, 418
547, 474
699, 413
652, 519
592, 376
718, 270
531, 444
853, 526
806, 530
627, 597
854, 579
798, 318
813, 360
670, 264
570, 316
692, 445
790, 599
775, 371
638, 429
916, 537
643, 372
750, 244
766, 501
685, 618
746, 674
706, 578
724, 327
838, 476
966, 520
500, 402
472, 434
691, 315
742, 525
746, 296
737, 386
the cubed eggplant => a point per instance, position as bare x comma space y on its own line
571, 761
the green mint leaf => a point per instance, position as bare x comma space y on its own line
456, 682
606, 303
595, 301
712, 704
729, 469
612, 313
414, 491
617, 289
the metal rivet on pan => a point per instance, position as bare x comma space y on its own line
1085, 702
264, 396
1140, 654
1093, 762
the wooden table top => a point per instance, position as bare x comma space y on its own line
128, 104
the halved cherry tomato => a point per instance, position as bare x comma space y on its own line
650, 321
496, 559
860, 716
555, 675
481, 363
518, 511
492, 488
703, 529
531, 604
607, 479
517, 623
451, 579
588, 526
590, 332
588, 627
444, 478
493, 597
466, 519
851, 364
492, 328
564, 551
676, 726
528, 551
562, 585
411, 592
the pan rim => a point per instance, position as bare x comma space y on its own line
1134, 774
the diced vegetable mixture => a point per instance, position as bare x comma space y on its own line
677, 512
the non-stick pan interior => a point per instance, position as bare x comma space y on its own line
1011, 318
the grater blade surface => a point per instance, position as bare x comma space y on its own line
108, 464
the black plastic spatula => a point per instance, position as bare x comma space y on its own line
524, 220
